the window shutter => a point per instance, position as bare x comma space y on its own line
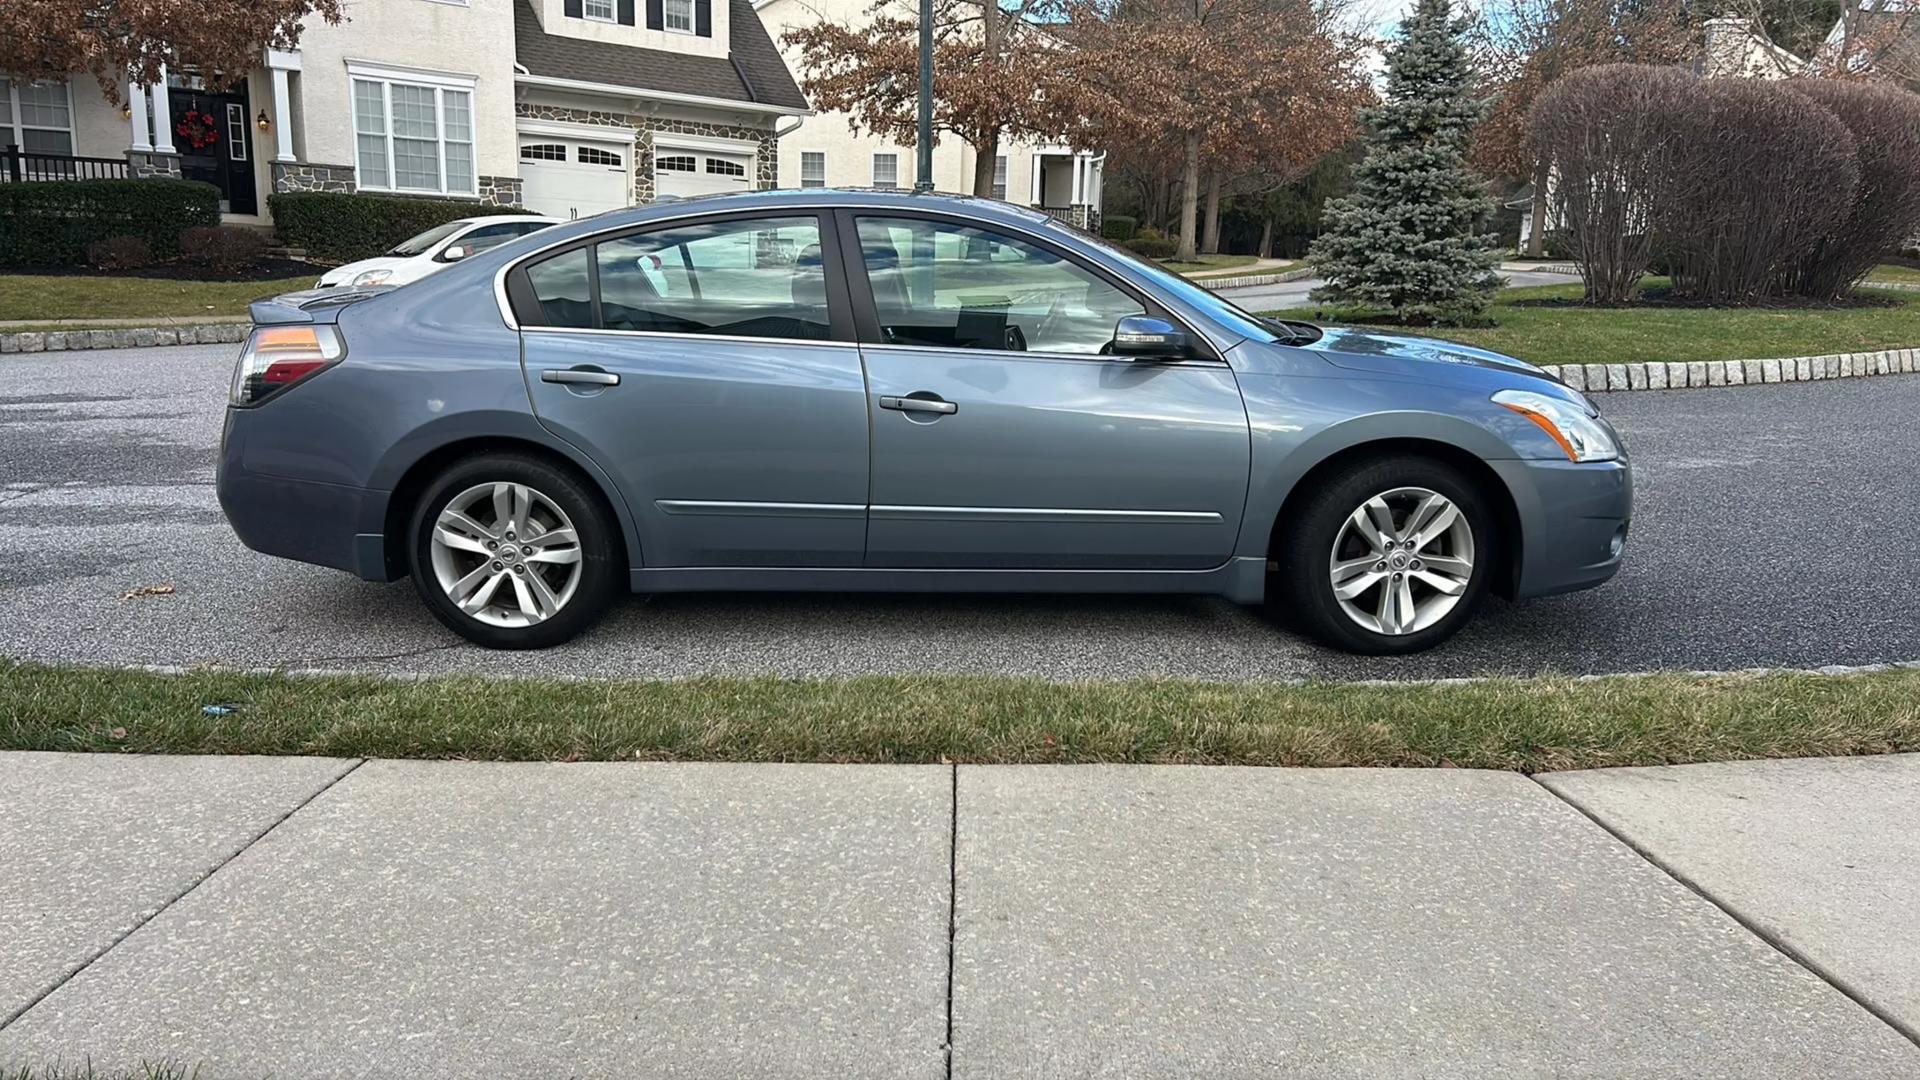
656, 20
626, 12
575, 10
703, 17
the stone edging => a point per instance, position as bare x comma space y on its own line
135, 337
1656, 375
1247, 281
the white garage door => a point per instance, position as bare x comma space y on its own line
684, 173
570, 179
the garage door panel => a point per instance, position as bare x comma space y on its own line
679, 173
571, 178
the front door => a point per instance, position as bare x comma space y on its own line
704, 367
1004, 438
213, 134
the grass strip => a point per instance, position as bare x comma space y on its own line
1528, 725
54, 296
1575, 334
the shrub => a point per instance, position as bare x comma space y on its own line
120, 253
1754, 176
349, 227
1605, 130
1885, 212
222, 247
1119, 227
1151, 245
53, 223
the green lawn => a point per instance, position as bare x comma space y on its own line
1527, 725
47, 298
1208, 262
1905, 275
1580, 335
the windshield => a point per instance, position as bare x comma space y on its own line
1218, 307
419, 245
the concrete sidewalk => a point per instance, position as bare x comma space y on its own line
321, 918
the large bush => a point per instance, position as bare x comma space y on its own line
221, 248
1738, 189
53, 223
1119, 227
1150, 244
1756, 176
1885, 212
1607, 132
348, 227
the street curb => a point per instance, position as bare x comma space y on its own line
1248, 281
1678, 375
138, 337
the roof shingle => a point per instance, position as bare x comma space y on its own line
766, 79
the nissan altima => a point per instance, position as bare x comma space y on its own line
844, 390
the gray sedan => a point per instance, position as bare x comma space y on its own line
823, 390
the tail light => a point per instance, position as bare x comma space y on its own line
276, 357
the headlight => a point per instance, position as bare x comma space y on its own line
372, 277
1571, 427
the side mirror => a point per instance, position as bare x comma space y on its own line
456, 253
1148, 336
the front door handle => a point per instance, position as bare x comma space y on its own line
587, 376
914, 404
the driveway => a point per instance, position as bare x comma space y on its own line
1774, 527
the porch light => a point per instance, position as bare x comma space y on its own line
261, 121
126, 111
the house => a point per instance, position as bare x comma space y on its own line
826, 152
569, 107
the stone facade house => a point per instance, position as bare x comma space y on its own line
569, 107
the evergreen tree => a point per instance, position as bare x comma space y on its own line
1404, 239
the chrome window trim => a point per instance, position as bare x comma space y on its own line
682, 335
815, 209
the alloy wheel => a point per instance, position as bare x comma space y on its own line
506, 554
1402, 561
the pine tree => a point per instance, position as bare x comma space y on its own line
1404, 239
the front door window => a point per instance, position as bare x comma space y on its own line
945, 285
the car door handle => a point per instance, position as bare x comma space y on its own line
914, 404
588, 376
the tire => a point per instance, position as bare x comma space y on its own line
1307, 561
474, 559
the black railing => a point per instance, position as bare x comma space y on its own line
18, 165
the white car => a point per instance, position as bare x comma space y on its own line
433, 250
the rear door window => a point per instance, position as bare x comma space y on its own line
761, 277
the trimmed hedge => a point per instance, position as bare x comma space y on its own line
347, 227
1152, 246
1119, 227
54, 222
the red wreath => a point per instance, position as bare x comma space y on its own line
198, 129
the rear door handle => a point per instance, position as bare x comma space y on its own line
914, 404
588, 376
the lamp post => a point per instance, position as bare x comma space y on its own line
923, 181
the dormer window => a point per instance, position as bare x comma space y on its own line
678, 15
599, 10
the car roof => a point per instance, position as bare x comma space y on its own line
810, 199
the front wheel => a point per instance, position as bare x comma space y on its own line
511, 552
1389, 556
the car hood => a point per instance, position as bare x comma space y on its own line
1366, 350
341, 275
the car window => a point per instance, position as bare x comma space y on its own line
749, 278
954, 286
420, 244
562, 287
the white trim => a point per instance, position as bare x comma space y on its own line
141, 135
283, 117
705, 142
161, 110
612, 15
283, 59
568, 129
451, 80
551, 83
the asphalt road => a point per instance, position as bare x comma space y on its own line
1776, 526
1291, 294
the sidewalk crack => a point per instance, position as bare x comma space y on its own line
1779, 945
953, 903
184, 893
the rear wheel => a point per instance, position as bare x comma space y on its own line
512, 552
1389, 556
